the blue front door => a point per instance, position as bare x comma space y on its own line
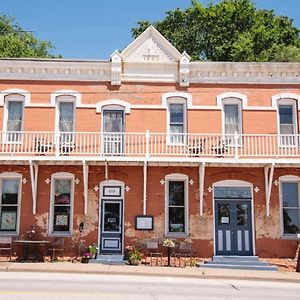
233, 225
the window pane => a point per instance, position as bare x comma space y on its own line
14, 120
176, 193
290, 194
286, 114
176, 137
223, 214
176, 113
176, 219
8, 219
242, 214
61, 218
62, 193
291, 221
231, 113
112, 217
286, 129
66, 116
113, 121
10, 189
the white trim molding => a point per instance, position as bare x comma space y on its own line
75, 94
166, 97
285, 96
113, 102
62, 176
26, 94
17, 176
235, 95
177, 177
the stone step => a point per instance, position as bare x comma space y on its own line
238, 267
113, 259
234, 258
238, 262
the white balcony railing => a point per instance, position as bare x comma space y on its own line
149, 145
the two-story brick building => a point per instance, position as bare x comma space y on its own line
92, 150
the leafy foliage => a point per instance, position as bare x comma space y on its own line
16, 42
231, 30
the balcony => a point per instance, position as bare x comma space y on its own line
146, 146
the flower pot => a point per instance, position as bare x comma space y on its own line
135, 262
85, 260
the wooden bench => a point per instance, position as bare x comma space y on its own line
6, 246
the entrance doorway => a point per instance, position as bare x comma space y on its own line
111, 219
233, 221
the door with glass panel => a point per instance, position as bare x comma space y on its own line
287, 125
113, 132
14, 121
233, 223
66, 123
111, 226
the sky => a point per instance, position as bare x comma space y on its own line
93, 29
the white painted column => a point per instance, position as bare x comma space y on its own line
85, 185
268, 185
145, 188
34, 180
201, 186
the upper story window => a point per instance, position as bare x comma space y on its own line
66, 112
290, 206
113, 127
232, 118
13, 118
287, 119
176, 121
10, 185
62, 185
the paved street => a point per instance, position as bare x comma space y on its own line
61, 286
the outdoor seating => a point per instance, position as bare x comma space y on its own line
196, 147
152, 251
42, 146
221, 148
66, 147
6, 246
183, 252
57, 247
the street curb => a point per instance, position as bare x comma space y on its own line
201, 275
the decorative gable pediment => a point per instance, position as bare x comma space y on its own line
150, 46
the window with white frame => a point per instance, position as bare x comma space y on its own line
10, 203
287, 118
176, 121
176, 206
13, 120
290, 206
62, 203
232, 118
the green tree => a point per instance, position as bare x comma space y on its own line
231, 30
16, 42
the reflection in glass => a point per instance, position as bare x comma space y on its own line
223, 214
242, 214
232, 193
112, 217
291, 221
176, 219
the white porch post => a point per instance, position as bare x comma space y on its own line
145, 189
85, 185
201, 186
34, 180
106, 170
268, 186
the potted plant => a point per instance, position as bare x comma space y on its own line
85, 258
93, 250
135, 256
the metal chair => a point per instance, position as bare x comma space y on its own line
6, 246
152, 252
184, 252
58, 246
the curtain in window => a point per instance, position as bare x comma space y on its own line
66, 116
232, 121
15, 112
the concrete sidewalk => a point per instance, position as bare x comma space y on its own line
192, 272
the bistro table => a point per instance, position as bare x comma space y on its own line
30, 249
